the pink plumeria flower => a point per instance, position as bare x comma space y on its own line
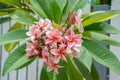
63, 43
34, 32
45, 56
59, 54
53, 37
76, 18
45, 24
32, 49
53, 66
72, 39
73, 51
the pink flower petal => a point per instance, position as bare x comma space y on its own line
57, 59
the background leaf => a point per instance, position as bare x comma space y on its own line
11, 2
4, 19
85, 58
80, 4
100, 17
94, 73
101, 37
10, 46
102, 55
23, 17
13, 36
102, 27
45, 75
62, 4
56, 11
83, 70
62, 71
3, 13
35, 6
16, 59
44, 4
73, 72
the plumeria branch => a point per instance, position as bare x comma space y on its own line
51, 42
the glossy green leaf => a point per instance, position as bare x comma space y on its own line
102, 27
8, 9
13, 36
85, 58
45, 5
10, 46
11, 2
62, 72
4, 19
91, 13
100, 17
102, 55
56, 11
95, 2
72, 5
3, 13
101, 37
35, 6
23, 17
45, 75
16, 59
83, 70
94, 73
73, 72
62, 4
80, 4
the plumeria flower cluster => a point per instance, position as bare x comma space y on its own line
54, 44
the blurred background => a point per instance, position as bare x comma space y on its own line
32, 73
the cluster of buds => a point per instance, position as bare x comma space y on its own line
54, 44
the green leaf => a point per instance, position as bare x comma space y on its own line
16, 59
4, 19
10, 46
45, 5
72, 5
3, 13
95, 2
100, 17
85, 58
84, 71
23, 17
62, 4
35, 6
102, 27
6, 10
102, 55
11, 2
17, 26
13, 36
56, 11
80, 4
73, 72
69, 5
62, 72
91, 13
94, 73
45, 75
101, 37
